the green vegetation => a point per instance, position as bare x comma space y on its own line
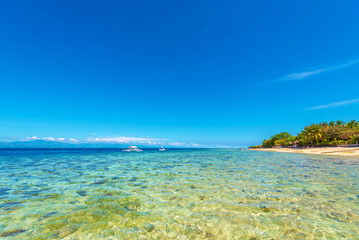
323, 134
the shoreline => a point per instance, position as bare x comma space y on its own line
329, 151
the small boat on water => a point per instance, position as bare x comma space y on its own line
132, 149
162, 149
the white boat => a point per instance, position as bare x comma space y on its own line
161, 149
132, 149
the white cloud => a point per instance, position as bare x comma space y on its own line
48, 138
147, 141
142, 140
122, 139
296, 76
306, 74
334, 104
38, 138
9, 139
32, 138
182, 144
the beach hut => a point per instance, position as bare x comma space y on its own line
296, 144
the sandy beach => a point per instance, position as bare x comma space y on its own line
336, 151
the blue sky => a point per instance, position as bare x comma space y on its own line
212, 73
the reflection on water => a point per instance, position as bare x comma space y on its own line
177, 194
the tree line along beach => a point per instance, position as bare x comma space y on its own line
325, 138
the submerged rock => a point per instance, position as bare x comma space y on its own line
254, 238
12, 232
338, 216
296, 210
134, 179
52, 196
47, 215
99, 183
149, 227
265, 209
133, 206
81, 193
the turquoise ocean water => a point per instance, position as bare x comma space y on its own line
177, 194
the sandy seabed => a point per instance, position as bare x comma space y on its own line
176, 194
336, 151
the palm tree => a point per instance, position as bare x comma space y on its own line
314, 132
339, 123
331, 123
351, 124
323, 124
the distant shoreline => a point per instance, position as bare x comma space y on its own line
331, 151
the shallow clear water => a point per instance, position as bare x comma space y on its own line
177, 194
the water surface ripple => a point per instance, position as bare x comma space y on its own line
177, 194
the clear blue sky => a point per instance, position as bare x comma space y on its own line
215, 73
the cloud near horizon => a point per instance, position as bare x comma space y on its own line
141, 140
334, 104
119, 140
122, 139
50, 139
306, 74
